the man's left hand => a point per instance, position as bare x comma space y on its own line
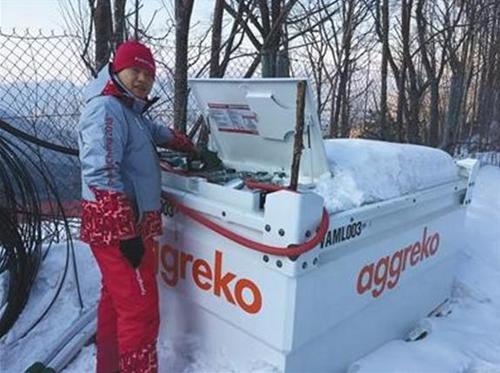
182, 143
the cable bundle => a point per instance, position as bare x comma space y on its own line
20, 234
24, 181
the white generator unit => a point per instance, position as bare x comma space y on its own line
267, 274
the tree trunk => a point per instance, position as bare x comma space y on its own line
333, 123
270, 50
119, 18
430, 68
103, 30
405, 35
342, 98
383, 69
136, 19
489, 96
433, 138
454, 104
183, 10
412, 128
216, 39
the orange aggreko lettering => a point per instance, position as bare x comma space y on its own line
170, 275
388, 269
256, 304
202, 269
241, 292
367, 270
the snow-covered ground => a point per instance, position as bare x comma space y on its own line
466, 340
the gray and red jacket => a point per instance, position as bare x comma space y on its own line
119, 165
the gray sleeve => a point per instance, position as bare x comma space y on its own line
102, 138
161, 134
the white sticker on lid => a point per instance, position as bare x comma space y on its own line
233, 118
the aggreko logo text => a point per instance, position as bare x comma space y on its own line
212, 278
388, 269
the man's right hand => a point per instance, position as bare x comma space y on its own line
133, 250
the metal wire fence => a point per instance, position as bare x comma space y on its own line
42, 82
42, 79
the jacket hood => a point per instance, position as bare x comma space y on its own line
96, 86
104, 78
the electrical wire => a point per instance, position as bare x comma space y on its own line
24, 178
292, 250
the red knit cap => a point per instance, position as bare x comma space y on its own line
133, 54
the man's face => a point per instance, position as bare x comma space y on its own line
138, 81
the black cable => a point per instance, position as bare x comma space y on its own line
35, 140
19, 236
24, 176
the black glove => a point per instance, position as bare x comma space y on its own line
133, 250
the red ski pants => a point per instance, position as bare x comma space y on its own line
127, 316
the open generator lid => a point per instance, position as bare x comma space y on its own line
252, 125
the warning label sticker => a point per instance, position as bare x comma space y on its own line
233, 118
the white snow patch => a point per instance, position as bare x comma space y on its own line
367, 171
18, 354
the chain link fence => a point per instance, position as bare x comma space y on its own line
43, 77
42, 82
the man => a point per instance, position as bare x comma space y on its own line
121, 206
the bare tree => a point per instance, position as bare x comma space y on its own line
382, 17
216, 38
103, 31
335, 41
98, 20
434, 73
266, 24
456, 46
79, 19
353, 14
119, 22
384, 32
315, 49
183, 10
488, 116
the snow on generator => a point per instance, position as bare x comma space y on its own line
263, 272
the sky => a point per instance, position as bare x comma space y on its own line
46, 14
34, 14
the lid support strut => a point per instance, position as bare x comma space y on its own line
298, 144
